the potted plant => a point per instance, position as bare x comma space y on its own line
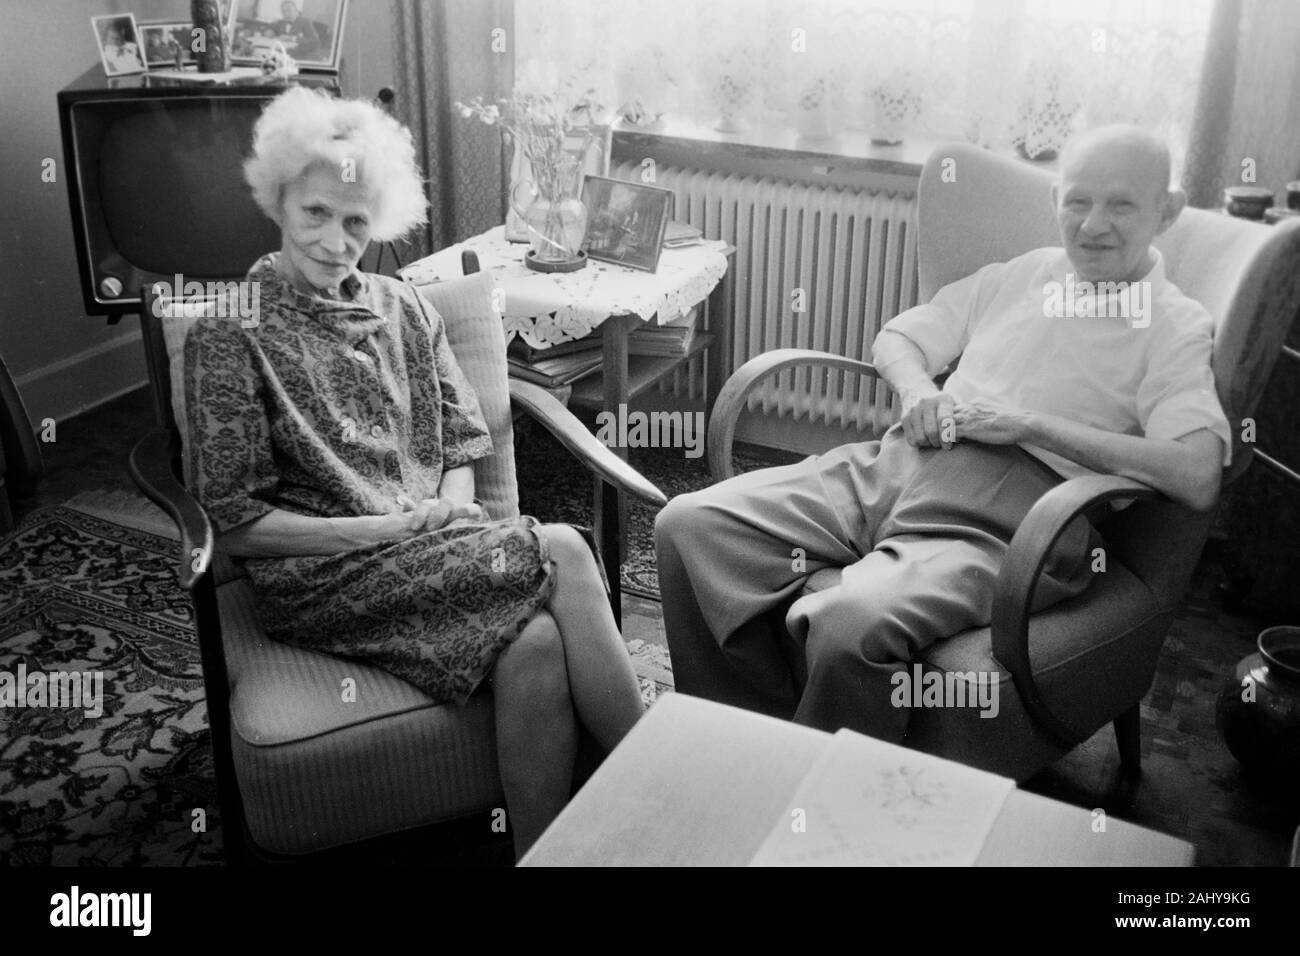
895, 103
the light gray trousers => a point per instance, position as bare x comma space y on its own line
920, 534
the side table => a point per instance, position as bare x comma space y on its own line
548, 308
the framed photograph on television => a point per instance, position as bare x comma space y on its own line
310, 30
119, 44
625, 221
163, 39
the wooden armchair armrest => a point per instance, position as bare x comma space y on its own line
582, 444
151, 469
1014, 591
732, 395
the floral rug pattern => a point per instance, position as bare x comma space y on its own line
133, 785
81, 593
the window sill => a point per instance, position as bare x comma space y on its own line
847, 159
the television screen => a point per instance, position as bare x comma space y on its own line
156, 188
172, 189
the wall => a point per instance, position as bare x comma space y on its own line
62, 360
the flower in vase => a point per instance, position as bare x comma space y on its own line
539, 126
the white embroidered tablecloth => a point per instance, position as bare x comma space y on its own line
545, 308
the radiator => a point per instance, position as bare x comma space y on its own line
851, 253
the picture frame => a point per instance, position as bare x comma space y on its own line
118, 39
625, 221
312, 32
156, 37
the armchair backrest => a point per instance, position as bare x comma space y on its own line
477, 339
976, 208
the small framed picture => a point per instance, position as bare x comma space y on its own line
163, 39
119, 44
311, 31
625, 221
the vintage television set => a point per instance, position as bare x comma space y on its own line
155, 183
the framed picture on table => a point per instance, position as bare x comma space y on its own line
311, 31
625, 221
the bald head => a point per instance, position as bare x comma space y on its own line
1112, 199
1120, 145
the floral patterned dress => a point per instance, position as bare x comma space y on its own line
334, 408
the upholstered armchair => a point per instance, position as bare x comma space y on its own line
1067, 671
300, 771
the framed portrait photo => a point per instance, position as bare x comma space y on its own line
163, 39
311, 31
625, 221
119, 44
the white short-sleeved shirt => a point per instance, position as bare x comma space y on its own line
1135, 361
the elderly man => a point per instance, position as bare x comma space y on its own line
1075, 359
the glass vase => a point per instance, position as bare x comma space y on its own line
554, 217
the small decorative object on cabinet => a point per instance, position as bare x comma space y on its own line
209, 45
555, 135
119, 44
1258, 712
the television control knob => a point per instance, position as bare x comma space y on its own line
110, 287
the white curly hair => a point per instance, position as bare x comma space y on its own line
301, 128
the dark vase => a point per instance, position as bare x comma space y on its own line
206, 16
1258, 712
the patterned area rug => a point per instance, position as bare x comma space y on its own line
115, 782
117, 779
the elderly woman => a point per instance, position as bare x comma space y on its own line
333, 446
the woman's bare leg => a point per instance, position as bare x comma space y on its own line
537, 736
601, 680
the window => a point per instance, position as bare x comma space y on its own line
999, 73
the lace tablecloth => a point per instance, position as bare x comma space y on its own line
545, 308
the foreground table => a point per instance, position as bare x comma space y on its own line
701, 784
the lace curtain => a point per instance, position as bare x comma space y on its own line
1000, 73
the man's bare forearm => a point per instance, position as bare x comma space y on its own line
1186, 470
900, 363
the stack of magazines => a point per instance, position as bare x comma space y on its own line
671, 338
561, 364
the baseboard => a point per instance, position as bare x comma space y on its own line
84, 380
